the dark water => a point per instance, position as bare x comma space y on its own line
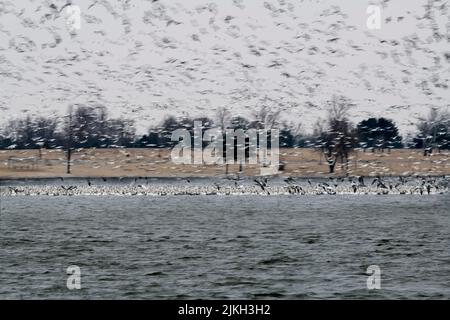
284, 247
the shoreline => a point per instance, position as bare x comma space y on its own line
229, 177
279, 185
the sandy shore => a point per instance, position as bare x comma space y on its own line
157, 163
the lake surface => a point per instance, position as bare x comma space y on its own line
250, 247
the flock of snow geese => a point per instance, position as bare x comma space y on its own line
144, 59
238, 186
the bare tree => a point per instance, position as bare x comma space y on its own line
222, 118
121, 132
84, 127
319, 137
69, 138
102, 124
340, 139
45, 132
32, 133
265, 118
434, 130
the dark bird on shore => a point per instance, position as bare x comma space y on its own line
289, 180
299, 189
262, 182
68, 188
295, 189
89, 182
361, 181
379, 182
354, 187
327, 188
420, 190
335, 182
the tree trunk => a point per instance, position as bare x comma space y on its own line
331, 167
68, 160
331, 161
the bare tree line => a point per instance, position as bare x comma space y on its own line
335, 137
83, 127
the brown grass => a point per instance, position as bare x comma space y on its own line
156, 162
